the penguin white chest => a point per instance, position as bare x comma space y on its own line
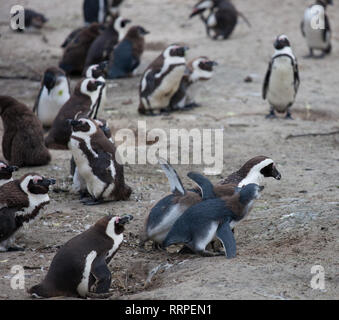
314, 25
167, 88
281, 91
50, 104
83, 287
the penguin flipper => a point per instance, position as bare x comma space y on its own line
204, 184
225, 235
35, 108
266, 81
172, 176
102, 275
327, 30
296, 77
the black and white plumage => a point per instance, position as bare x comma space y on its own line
282, 81
95, 11
315, 27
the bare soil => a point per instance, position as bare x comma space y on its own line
294, 225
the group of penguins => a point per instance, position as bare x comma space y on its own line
194, 217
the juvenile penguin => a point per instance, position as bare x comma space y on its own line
167, 210
315, 27
221, 19
75, 53
23, 140
199, 69
102, 47
281, 82
126, 56
84, 100
211, 218
96, 159
54, 92
33, 19
20, 202
80, 267
161, 79
6, 172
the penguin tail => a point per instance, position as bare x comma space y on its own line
240, 14
172, 176
204, 184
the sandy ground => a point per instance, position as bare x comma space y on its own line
294, 225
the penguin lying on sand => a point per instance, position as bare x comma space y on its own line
126, 56
85, 100
317, 37
23, 140
167, 210
20, 202
199, 69
282, 81
80, 267
54, 92
221, 19
95, 158
211, 218
6, 172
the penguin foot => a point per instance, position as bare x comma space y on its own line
288, 117
93, 202
205, 253
271, 115
186, 250
165, 111
14, 248
191, 106
84, 195
157, 246
309, 56
93, 295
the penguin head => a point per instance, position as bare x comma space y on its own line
120, 23
281, 42
104, 127
136, 32
201, 6
97, 70
201, 68
325, 2
6, 170
83, 125
175, 50
90, 87
250, 192
33, 183
5, 103
38, 20
116, 225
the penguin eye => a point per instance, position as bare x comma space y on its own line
36, 179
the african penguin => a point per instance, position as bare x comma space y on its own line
281, 82
198, 69
6, 172
102, 47
80, 267
20, 202
75, 53
211, 218
167, 210
23, 140
54, 92
161, 79
83, 101
125, 57
96, 159
318, 37
95, 11
33, 20
221, 19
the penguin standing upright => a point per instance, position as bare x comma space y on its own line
80, 267
126, 56
96, 159
75, 53
54, 92
161, 79
95, 11
211, 218
23, 139
281, 82
199, 69
20, 202
84, 100
6, 172
102, 47
221, 19
315, 27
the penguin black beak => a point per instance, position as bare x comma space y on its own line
49, 81
125, 21
73, 122
125, 219
11, 168
195, 12
144, 32
103, 65
46, 182
99, 83
276, 174
261, 188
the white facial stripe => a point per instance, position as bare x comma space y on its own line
118, 27
144, 81
254, 176
110, 231
169, 60
199, 73
86, 135
2, 165
205, 5
89, 72
94, 95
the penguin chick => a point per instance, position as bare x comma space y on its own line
317, 38
75, 53
211, 218
95, 158
126, 56
199, 69
6, 172
161, 79
54, 92
23, 141
33, 20
80, 267
221, 19
281, 82
85, 100
20, 202
102, 47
